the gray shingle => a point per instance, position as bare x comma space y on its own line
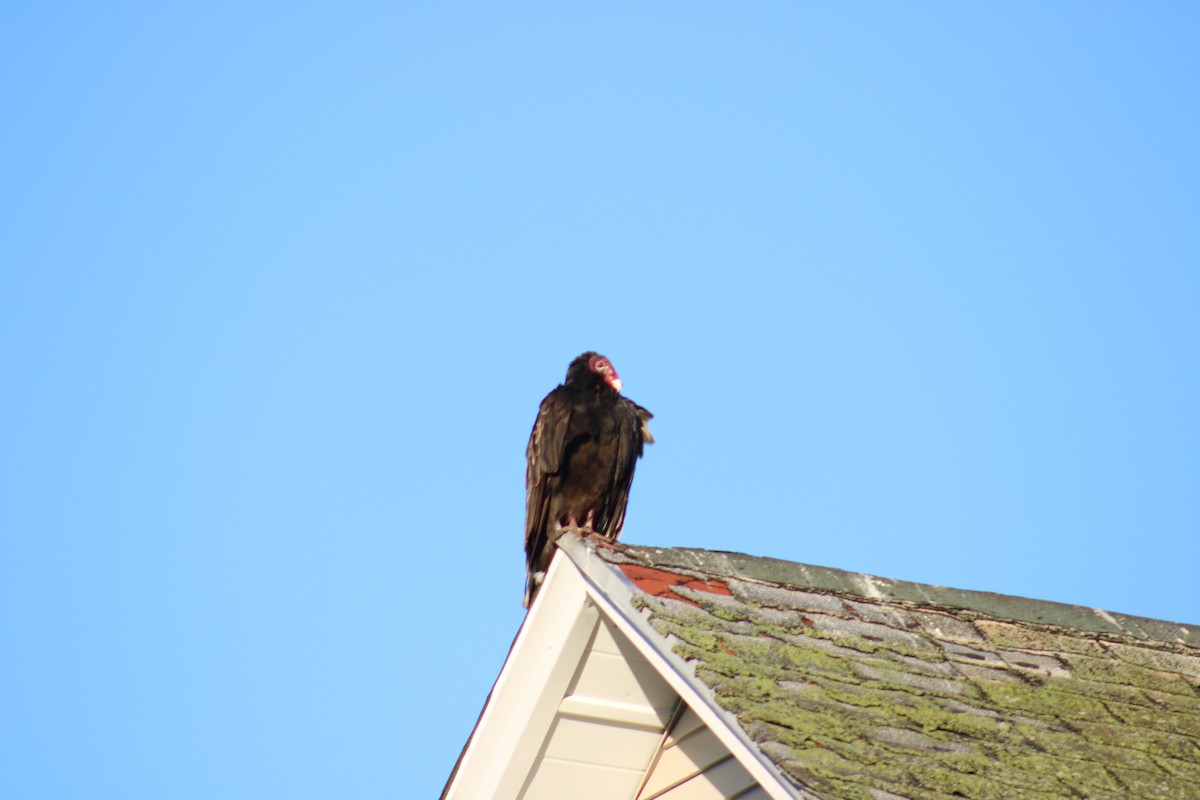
863, 688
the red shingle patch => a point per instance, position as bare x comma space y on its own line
662, 583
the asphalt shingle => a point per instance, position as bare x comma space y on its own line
863, 688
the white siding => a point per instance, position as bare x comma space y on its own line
608, 726
692, 764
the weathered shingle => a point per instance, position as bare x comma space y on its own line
861, 688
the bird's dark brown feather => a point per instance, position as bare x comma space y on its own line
581, 457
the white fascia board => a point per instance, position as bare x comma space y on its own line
544, 657
612, 593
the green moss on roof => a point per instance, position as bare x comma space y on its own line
858, 686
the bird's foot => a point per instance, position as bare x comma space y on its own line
586, 529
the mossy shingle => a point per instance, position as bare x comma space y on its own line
862, 688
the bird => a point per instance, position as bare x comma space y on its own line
582, 451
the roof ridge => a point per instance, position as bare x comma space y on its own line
1050, 615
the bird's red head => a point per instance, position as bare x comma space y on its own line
604, 368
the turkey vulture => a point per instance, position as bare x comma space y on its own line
581, 454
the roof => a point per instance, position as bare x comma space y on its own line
822, 684
863, 688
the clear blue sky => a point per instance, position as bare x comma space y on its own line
912, 290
